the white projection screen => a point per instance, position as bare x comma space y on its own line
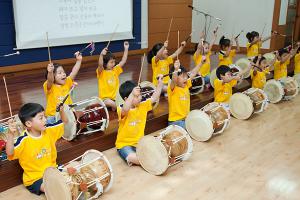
71, 22
236, 15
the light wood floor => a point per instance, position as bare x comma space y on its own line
254, 159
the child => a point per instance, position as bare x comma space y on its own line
132, 119
179, 94
297, 60
161, 61
58, 85
224, 83
35, 148
283, 60
259, 70
227, 54
255, 43
201, 51
108, 75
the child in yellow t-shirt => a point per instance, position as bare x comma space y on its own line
255, 42
283, 60
224, 83
297, 60
179, 93
132, 116
160, 60
204, 51
108, 75
226, 53
35, 148
58, 85
260, 68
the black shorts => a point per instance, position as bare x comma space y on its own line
35, 188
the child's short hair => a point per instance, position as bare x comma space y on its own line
106, 58
29, 111
126, 88
251, 35
222, 70
182, 71
154, 51
282, 51
56, 66
224, 42
261, 59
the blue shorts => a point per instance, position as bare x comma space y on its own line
180, 123
35, 188
207, 79
125, 151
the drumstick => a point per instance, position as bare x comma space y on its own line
65, 98
276, 33
49, 54
178, 71
169, 29
139, 81
7, 96
236, 37
177, 43
263, 30
188, 37
112, 36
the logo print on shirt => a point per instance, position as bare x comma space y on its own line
43, 153
111, 81
134, 122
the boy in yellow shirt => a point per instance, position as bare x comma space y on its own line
160, 61
283, 60
226, 53
255, 42
179, 93
58, 85
224, 83
108, 75
132, 116
297, 60
35, 148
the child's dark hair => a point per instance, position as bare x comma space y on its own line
224, 42
251, 35
29, 111
154, 51
106, 58
182, 71
282, 51
56, 66
222, 70
126, 88
261, 59
204, 42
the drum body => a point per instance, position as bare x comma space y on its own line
269, 57
198, 85
211, 119
297, 78
157, 154
90, 177
85, 117
245, 65
4, 127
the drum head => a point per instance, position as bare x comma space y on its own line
269, 57
241, 106
297, 78
199, 125
70, 127
55, 185
213, 76
198, 84
152, 155
147, 84
290, 87
274, 91
244, 64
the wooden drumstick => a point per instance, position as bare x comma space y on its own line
49, 54
65, 98
7, 96
142, 64
177, 43
263, 30
236, 37
169, 28
112, 36
178, 71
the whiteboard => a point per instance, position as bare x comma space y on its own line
71, 22
236, 15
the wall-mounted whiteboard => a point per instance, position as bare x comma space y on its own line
236, 15
71, 22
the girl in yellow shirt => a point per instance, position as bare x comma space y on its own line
108, 75
297, 60
58, 85
160, 60
255, 42
226, 53
283, 60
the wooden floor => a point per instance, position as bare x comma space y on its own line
254, 159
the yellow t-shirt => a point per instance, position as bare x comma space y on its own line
132, 126
259, 80
56, 94
222, 91
227, 60
280, 70
297, 63
108, 82
36, 154
179, 101
205, 68
161, 67
253, 50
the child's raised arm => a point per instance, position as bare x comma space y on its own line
125, 54
50, 76
196, 69
128, 102
160, 52
100, 61
77, 65
155, 96
237, 45
175, 74
12, 128
179, 50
